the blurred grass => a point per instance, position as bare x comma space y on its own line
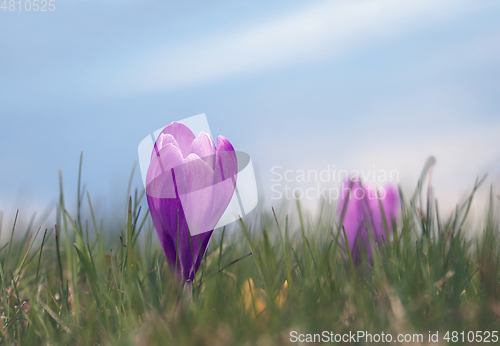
66, 286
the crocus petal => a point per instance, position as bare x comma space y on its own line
225, 177
195, 183
175, 237
162, 140
203, 146
226, 158
159, 178
182, 134
354, 214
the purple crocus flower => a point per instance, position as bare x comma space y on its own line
189, 185
362, 203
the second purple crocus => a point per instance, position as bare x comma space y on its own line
363, 212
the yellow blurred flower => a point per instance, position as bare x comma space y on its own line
280, 299
255, 299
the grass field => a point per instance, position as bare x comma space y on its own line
66, 287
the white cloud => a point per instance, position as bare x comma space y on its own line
329, 29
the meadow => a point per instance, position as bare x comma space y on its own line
271, 279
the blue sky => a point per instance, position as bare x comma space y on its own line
296, 84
